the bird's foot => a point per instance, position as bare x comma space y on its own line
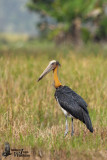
66, 132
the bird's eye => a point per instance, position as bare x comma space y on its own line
52, 63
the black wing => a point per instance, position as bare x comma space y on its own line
73, 104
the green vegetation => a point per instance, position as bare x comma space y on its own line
65, 11
30, 116
76, 19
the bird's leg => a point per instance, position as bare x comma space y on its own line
72, 127
66, 131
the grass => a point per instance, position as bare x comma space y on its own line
30, 116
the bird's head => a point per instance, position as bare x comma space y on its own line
51, 66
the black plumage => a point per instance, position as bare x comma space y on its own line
73, 104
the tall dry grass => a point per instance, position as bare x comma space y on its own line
29, 114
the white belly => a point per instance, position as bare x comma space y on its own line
64, 111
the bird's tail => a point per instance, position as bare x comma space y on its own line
87, 121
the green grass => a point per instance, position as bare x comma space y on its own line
29, 114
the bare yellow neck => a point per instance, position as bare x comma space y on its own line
57, 83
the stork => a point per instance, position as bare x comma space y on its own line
72, 104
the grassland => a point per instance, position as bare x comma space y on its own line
29, 115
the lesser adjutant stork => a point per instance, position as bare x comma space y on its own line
70, 102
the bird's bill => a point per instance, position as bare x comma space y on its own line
46, 71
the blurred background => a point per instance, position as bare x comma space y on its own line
60, 21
